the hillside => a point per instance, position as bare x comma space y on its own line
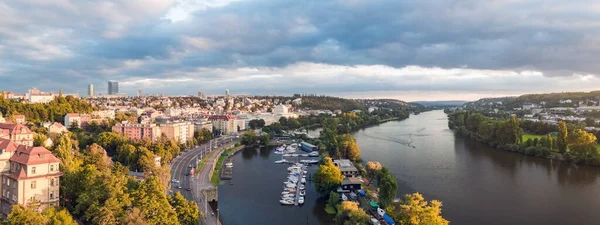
330, 103
440, 103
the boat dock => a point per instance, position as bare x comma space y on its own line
227, 171
294, 188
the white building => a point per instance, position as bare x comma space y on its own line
104, 114
280, 109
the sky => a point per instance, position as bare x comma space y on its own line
409, 50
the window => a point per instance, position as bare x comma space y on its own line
8, 181
32, 184
52, 195
52, 182
52, 167
33, 170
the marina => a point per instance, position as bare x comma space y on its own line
294, 188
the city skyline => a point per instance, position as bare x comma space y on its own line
171, 47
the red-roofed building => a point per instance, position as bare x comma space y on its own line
57, 128
19, 118
18, 133
81, 120
223, 124
28, 173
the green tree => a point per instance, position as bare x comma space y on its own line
413, 209
60, 217
20, 215
332, 202
187, 211
39, 139
327, 177
387, 187
152, 201
350, 214
562, 140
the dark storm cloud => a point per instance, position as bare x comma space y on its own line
69, 44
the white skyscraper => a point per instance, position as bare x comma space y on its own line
91, 90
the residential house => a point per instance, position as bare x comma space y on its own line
29, 175
18, 133
19, 118
56, 128
346, 167
80, 120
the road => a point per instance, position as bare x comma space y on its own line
192, 186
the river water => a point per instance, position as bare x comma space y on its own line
477, 184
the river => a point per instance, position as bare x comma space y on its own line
477, 184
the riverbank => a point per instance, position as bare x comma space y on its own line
216, 175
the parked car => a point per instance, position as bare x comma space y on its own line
175, 181
179, 187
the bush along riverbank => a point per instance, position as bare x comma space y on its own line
336, 143
575, 145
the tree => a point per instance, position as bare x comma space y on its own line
134, 217
187, 211
332, 202
60, 217
387, 187
350, 214
414, 210
327, 177
20, 215
96, 155
373, 168
562, 140
39, 139
582, 145
349, 147
152, 201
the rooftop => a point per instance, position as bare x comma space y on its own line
345, 165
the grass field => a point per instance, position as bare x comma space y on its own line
216, 176
527, 136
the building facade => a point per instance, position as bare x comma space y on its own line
19, 118
80, 120
346, 167
18, 133
179, 131
280, 109
113, 87
137, 131
223, 124
30, 175
91, 90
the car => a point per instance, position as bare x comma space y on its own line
190, 166
179, 187
188, 189
175, 181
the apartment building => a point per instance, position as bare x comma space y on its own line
178, 131
29, 175
203, 124
224, 124
18, 133
75, 118
137, 130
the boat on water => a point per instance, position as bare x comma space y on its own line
313, 154
280, 161
304, 155
286, 202
303, 180
301, 200
302, 193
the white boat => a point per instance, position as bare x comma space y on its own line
302, 193
301, 200
303, 180
286, 202
305, 172
290, 185
303, 176
304, 155
294, 155
229, 164
313, 154
288, 195
301, 187
280, 161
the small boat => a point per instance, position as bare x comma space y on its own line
301, 200
305, 172
302, 193
290, 185
303, 180
294, 155
286, 202
288, 195
303, 176
280, 161
301, 187
313, 154
304, 155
